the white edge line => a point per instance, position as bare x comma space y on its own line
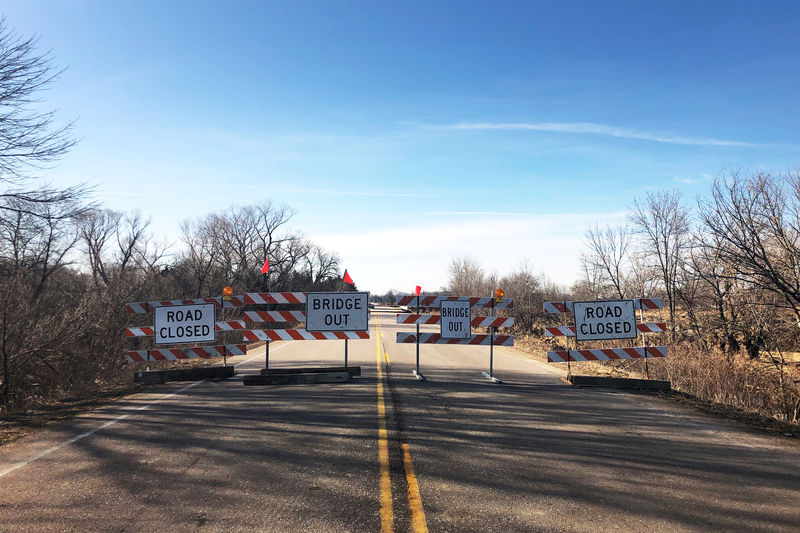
57, 447
48, 451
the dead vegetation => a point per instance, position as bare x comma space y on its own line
728, 270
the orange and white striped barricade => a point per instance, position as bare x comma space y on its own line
188, 321
271, 299
436, 301
456, 322
177, 354
153, 306
290, 318
592, 323
341, 325
302, 335
147, 307
606, 354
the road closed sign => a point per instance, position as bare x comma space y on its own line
456, 319
337, 311
184, 323
596, 321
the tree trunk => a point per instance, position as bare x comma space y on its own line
6, 373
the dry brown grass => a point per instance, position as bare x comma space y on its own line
731, 386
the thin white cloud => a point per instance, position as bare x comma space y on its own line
592, 128
478, 213
541, 216
688, 180
343, 192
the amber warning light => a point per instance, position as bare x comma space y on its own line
498, 294
226, 293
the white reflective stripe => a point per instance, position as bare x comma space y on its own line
606, 354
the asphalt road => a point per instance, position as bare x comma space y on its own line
459, 453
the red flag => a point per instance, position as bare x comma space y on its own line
418, 290
347, 279
265, 268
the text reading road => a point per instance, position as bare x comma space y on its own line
605, 320
184, 323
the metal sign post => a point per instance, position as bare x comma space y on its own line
419, 376
569, 366
269, 307
456, 323
496, 295
491, 342
644, 346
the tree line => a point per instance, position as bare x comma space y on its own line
67, 273
68, 265
728, 268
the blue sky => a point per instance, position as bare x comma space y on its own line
405, 134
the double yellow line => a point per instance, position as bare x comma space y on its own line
387, 513
418, 522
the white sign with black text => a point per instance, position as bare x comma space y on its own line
604, 320
456, 318
184, 323
337, 311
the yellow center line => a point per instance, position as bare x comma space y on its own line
387, 514
418, 522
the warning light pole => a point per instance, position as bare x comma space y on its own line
497, 297
227, 292
416, 372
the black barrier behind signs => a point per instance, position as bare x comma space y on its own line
605, 320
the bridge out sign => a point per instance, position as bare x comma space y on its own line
184, 323
455, 319
337, 311
604, 320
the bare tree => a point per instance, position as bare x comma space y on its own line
662, 220
196, 262
756, 225
29, 138
719, 287
229, 248
97, 227
321, 267
643, 277
609, 253
37, 241
466, 277
525, 287
589, 287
